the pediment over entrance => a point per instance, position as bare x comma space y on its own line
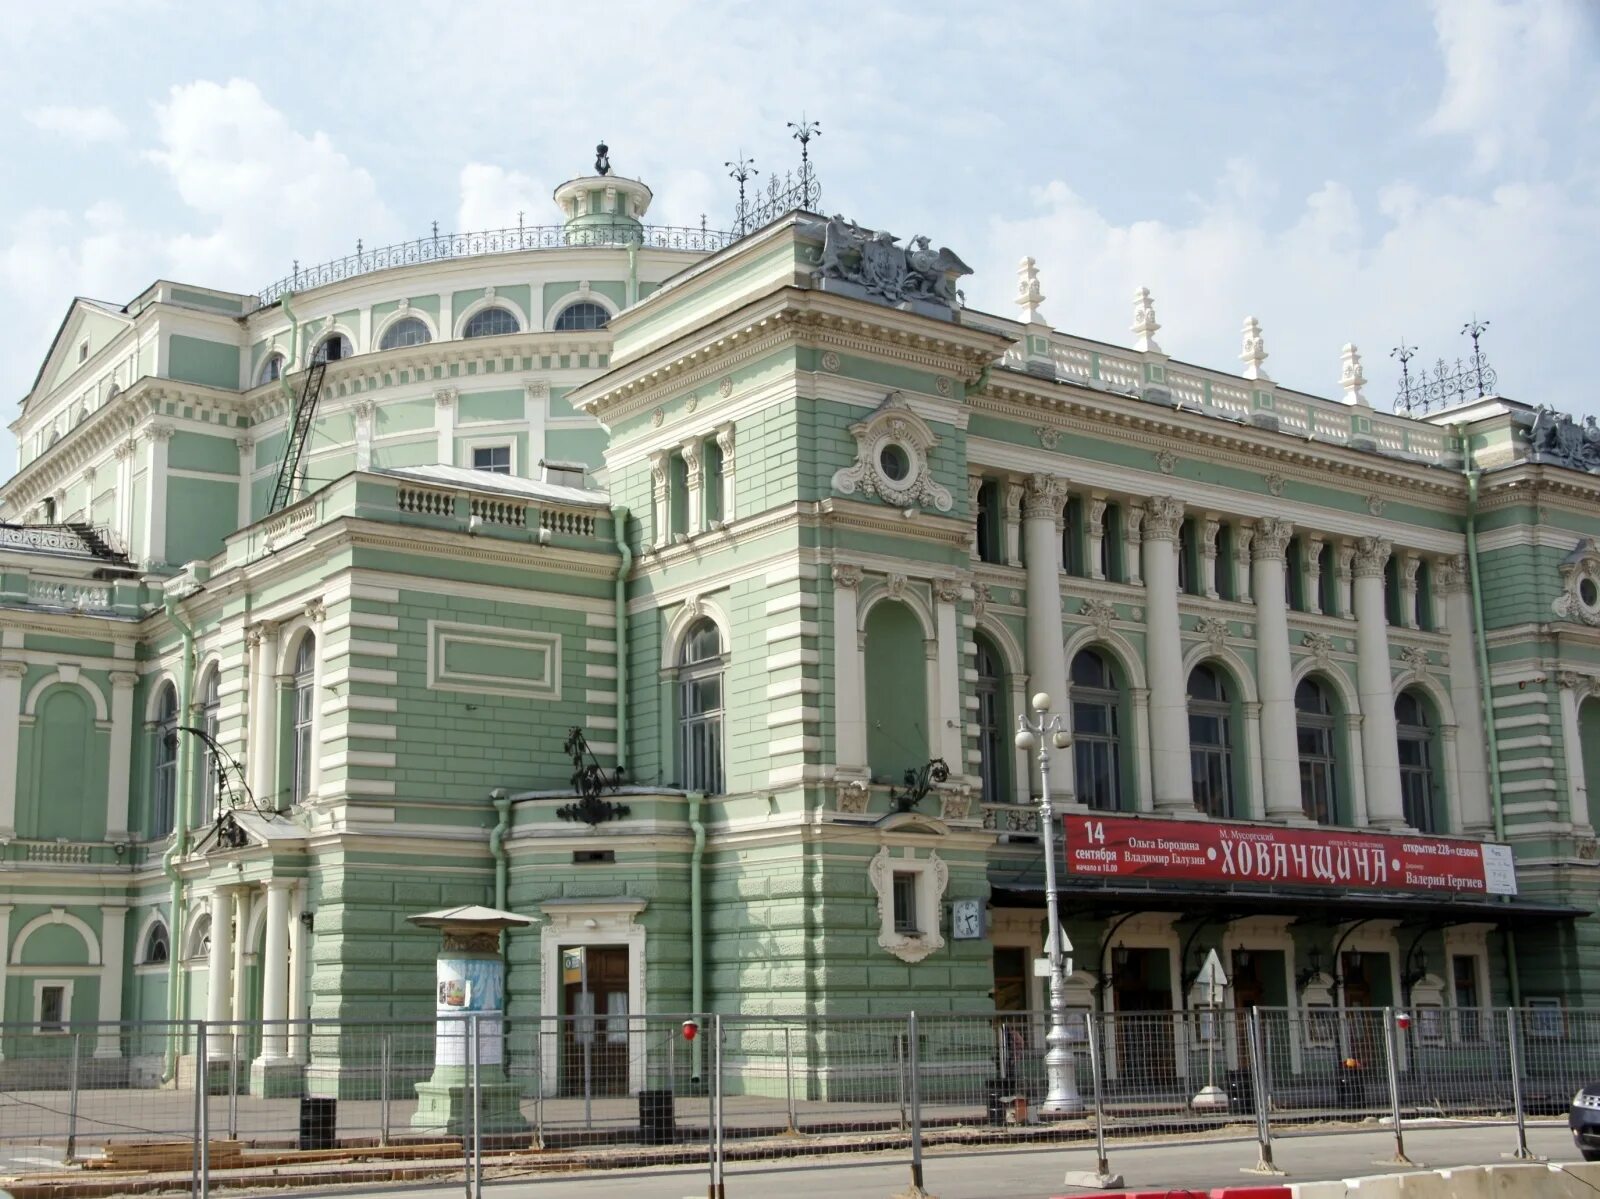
242, 831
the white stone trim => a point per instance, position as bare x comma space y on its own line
67, 674
57, 916
490, 301
547, 318
596, 922
933, 878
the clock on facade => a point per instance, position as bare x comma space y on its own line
966, 919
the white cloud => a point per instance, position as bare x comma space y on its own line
84, 126
491, 198
1507, 64
1413, 264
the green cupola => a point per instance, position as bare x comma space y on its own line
603, 206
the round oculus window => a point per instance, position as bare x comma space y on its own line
894, 462
1588, 592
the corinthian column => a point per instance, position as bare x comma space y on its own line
1280, 749
1047, 657
1379, 751
1169, 704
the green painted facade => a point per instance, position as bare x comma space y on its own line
409, 641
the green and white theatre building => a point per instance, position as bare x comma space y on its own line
772, 520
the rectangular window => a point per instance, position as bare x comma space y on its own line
700, 700
52, 1008
1430, 1022
1544, 1017
1111, 566
905, 904
496, 459
1186, 567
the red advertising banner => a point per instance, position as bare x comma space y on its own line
1143, 847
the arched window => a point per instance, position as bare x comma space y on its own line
987, 523
157, 948
700, 709
333, 349
407, 331
305, 667
271, 370
164, 762
211, 721
992, 739
1415, 732
491, 322
1211, 741
1314, 724
581, 316
1096, 731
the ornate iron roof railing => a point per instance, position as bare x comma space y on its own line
441, 246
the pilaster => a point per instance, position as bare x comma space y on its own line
726, 448
444, 424
694, 475
11, 674
120, 767
113, 925
849, 675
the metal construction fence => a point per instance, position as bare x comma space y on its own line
199, 1106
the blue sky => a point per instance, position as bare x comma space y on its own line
1344, 172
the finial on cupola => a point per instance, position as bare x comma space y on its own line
1351, 377
602, 159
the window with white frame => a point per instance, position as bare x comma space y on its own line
164, 762
157, 948
407, 331
905, 903
333, 349
271, 370
496, 459
581, 317
305, 664
491, 322
52, 1005
1096, 736
700, 667
910, 891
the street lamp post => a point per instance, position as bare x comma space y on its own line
1060, 1062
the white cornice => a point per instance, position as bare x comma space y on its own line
1074, 409
787, 315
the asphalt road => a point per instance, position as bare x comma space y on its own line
1017, 1173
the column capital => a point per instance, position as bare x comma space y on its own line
1272, 537
124, 679
1162, 516
1581, 685
445, 397
1043, 497
160, 432
13, 670
691, 450
1450, 574
282, 884
1370, 556
725, 444
846, 576
112, 910
245, 444
537, 389
1252, 710
1133, 524
1410, 564
364, 409
948, 591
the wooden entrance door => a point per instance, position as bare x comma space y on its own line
1363, 992
1249, 990
598, 1009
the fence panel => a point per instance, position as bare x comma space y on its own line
610, 1091
68, 1091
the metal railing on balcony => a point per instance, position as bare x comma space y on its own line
441, 246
